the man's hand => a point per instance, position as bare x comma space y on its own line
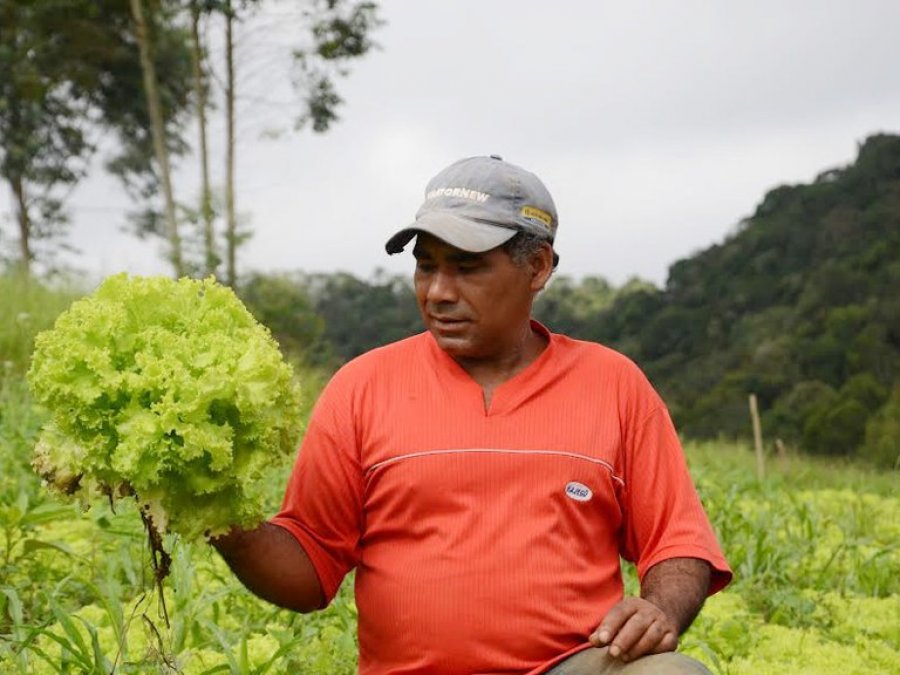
636, 627
672, 592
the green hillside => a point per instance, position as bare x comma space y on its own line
801, 306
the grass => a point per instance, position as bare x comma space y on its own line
791, 470
28, 307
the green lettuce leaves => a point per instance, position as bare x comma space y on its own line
168, 390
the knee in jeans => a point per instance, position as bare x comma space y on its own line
596, 661
670, 663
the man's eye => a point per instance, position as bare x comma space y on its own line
426, 267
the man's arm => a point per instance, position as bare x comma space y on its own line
672, 594
272, 564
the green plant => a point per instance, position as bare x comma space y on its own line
167, 390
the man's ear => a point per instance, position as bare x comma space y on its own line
541, 267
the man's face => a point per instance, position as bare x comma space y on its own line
476, 305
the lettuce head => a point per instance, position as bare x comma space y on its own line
167, 390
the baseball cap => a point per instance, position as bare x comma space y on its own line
479, 203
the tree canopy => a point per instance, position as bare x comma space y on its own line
69, 71
799, 306
73, 71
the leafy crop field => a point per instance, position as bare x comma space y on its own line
816, 555
815, 549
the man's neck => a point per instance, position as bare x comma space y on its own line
493, 371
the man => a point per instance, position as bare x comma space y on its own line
484, 477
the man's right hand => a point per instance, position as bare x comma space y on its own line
271, 563
636, 627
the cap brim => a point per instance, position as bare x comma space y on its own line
464, 234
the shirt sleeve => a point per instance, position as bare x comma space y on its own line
322, 505
663, 515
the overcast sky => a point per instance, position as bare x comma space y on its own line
657, 126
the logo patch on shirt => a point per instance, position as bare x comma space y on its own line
578, 491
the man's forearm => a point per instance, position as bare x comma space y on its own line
271, 563
677, 586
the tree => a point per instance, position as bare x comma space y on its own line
231, 237
68, 72
201, 85
157, 126
282, 304
360, 315
43, 137
882, 444
339, 31
71, 69
126, 109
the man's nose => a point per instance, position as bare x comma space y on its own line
442, 287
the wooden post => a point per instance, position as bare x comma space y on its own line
757, 438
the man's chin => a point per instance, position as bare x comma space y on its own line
457, 346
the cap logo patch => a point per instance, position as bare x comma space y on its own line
465, 193
578, 491
536, 214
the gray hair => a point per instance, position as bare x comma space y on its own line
524, 246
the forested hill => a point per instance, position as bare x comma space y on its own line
801, 306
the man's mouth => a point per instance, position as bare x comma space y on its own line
439, 321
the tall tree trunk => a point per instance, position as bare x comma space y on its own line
211, 259
18, 189
151, 88
230, 217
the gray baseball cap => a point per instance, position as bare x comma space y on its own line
478, 203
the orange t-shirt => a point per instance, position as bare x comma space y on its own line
489, 541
